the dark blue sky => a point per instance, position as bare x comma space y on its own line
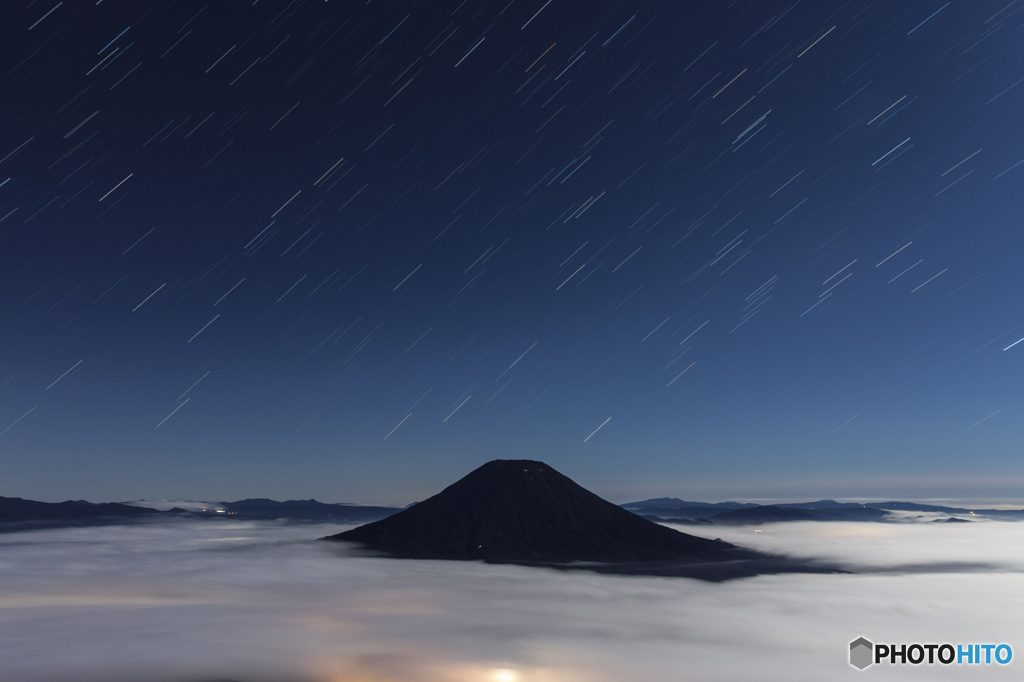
352, 251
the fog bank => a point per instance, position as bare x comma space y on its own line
258, 602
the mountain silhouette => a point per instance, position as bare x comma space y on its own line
523, 511
19, 514
676, 503
773, 514
305, 510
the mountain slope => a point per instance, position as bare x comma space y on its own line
525, 511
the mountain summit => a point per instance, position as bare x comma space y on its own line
522, 511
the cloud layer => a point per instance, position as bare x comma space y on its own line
259, 602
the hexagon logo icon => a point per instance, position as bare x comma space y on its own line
861, 651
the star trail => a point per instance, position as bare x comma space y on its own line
294, 248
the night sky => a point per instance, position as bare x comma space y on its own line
351, 251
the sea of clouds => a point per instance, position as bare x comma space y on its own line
196, 601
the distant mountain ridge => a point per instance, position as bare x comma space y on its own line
264, 502
306, 510
773, 514
15, 510
665, 509
676, 503
16, 513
